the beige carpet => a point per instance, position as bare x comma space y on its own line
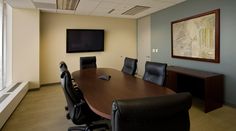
43, 110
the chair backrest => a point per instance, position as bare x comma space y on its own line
155, 72
63, 66
130, 66
78, 109
88, 62
164, 113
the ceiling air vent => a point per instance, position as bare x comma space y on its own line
67, 4
135, 10
109, 12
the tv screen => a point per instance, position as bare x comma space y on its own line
84, 40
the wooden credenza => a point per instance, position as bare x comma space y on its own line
208, 86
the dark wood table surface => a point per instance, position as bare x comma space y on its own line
99, 94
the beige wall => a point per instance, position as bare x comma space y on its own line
120, 41
25, 46
143, 43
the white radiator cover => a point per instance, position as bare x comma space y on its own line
9, 104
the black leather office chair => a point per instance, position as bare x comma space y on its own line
130, 66
155, 72
88, 62
164, 113
78, 110
63, 66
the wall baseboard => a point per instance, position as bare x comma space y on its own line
50, 84
12, 97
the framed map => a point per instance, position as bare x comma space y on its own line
197, 37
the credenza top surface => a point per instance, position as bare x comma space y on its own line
192, 72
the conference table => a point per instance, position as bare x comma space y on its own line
99, 93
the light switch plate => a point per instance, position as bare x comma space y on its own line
153, 50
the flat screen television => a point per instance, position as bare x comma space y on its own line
84, 40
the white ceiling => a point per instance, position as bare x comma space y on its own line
98, 7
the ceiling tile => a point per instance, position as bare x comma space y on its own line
107, 4
45, 5
87, 5
49, 10
45, 1
99, 7
118, 1
21, 4
66, 11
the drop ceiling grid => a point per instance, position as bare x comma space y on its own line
65, 11
156, 6
105, 6
21, 3
87, 6
45, 1
100, 7
45, 5
120, 6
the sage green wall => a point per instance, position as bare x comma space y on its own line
161, 39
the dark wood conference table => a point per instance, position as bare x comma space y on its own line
99, 94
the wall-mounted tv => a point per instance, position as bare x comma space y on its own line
84, 40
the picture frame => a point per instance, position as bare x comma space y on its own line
197, 37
